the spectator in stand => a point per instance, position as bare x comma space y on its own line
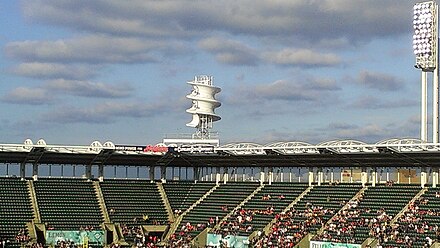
177, 212
389, 183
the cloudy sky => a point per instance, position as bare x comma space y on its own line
290, 70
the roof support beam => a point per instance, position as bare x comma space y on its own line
33, 157
99, 160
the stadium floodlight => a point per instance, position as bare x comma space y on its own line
425, 46
425, 35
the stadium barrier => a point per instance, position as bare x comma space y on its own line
321, 244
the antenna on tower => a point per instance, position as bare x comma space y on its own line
203, 106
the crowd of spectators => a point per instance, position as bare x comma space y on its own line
135, 235
65, 244
344, 225
35, 245
86, 228
132, 234
291, 226
183, 237
412, 227
180, 240
22, 236
240, 221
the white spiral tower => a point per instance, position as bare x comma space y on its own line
203, 106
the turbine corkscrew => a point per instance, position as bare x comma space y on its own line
203, 106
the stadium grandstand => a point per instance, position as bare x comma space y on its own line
293, 194
190, 191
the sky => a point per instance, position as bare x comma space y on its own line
72, 72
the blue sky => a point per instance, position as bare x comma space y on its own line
290, 70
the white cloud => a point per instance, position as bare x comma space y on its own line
379, 81
28, 96
238, 53
89, 89
303, 58
139, 18
54, 70
46, 93
88, 49
310, 20
105, 112
308, 90
230, 51
372, 102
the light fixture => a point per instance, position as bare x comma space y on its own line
425, 35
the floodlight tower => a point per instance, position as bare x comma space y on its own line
203, 106
425, 45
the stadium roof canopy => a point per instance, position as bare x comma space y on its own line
345, 153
